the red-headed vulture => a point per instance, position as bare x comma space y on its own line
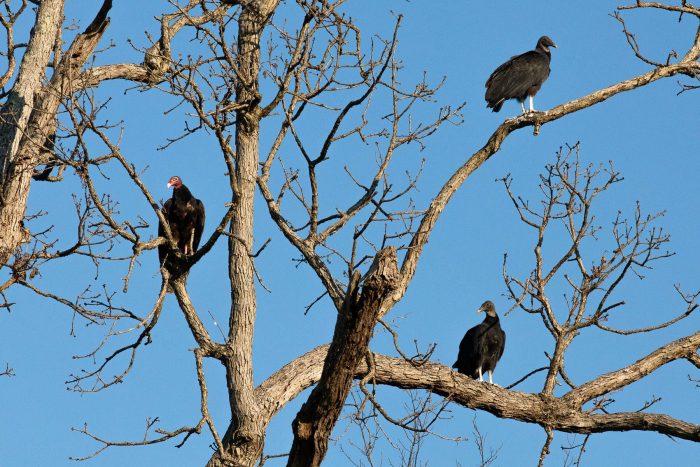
185, 216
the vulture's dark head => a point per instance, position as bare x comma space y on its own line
544, 43
488, 307
174, 182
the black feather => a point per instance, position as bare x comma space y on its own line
482, 346
520, 77
185, 215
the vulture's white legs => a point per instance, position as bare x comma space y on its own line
190, 245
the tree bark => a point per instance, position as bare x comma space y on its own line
29, 115
353, 330
244, 438
564, 413
15, 168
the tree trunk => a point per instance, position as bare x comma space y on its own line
244, 438
16, 169
353, 330
25, 129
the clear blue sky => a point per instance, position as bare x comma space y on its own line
650, 134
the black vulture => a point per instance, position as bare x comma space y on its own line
482, 346
520, 77
185, 216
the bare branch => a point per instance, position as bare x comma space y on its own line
545, 448
556, 413
493, 145
681, 348
7, 371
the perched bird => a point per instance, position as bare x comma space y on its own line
185, 216
520, 77
482, 346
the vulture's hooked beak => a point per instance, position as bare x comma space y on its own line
169, 185
554, 45
480, 310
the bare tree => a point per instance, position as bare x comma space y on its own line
570, 190
364, 251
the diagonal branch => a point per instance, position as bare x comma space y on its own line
493, 145
313, 424
681, 348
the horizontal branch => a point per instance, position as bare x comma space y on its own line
642, 421
663, 6
126, 71
557, 413
157, 57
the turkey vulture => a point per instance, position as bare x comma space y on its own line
482, 346
520, 77
185, 216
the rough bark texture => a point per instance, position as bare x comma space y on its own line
353, 330
313, 424
15, 166
565, 413
244, 438
29, 115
